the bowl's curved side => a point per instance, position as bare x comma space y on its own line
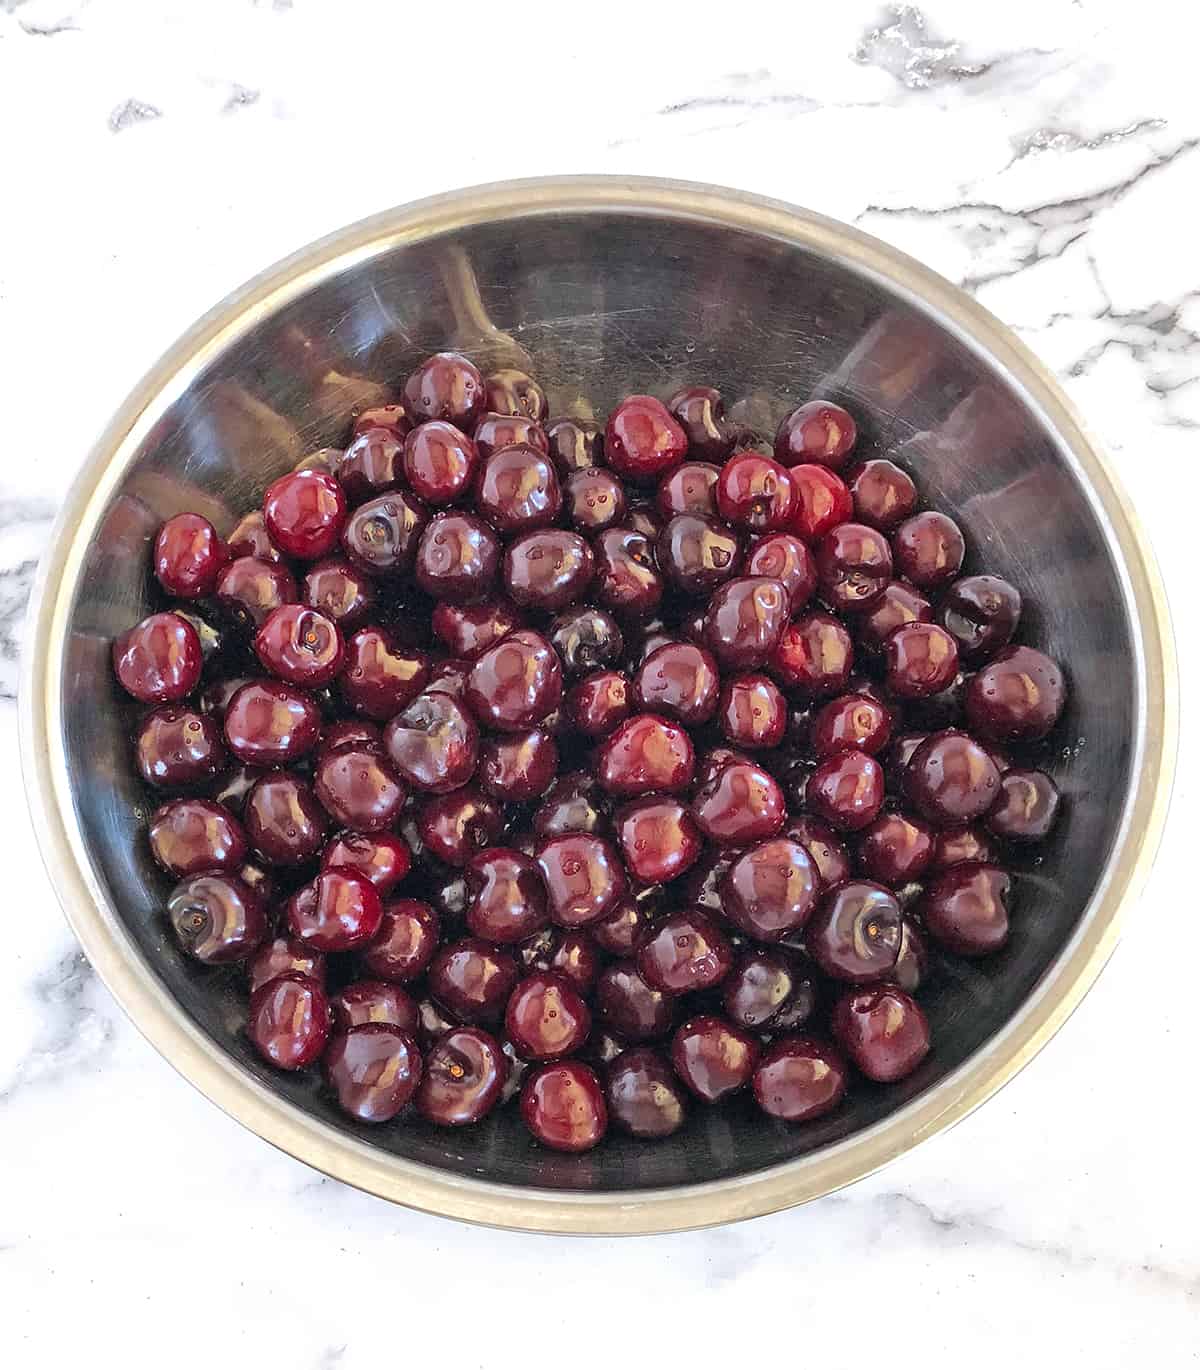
121, 964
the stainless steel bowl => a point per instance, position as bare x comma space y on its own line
605, 286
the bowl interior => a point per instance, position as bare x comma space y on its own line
598, 304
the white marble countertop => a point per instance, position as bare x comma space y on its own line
155, 153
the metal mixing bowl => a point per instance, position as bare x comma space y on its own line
604, 286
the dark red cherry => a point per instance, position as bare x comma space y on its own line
217, 917
383, 858
575, 444
339, 591
281, 955
757, 988
823, 846
696, 553
594, 500
472, 979
586, 639
381, 676
822, 501
853, 720
439, 462
548, 569
215, 697
799, 1079
895, 849
755, 492
546, 1018
571, 954
846, 790
752, 712
854, 566
783, 557
159, 660
627, 579
1026, 808
433, 743
519, 766
508, 899
951, 779
643, 518
468, 630
883, 1030
392, 417
359, 789
465, 1072
682, 952
642, 439
629, 1006
583, 875
289, 1021
700, 412
617, 932
251, 539
458, 558
713, 1057
644, 1096
351, 732
679, 680
188, 836
816, 432
562, 1104
510, 391
771, 890
574, 803
981, 613
455, 826
813, 657
188, 555
599, 703
516, 684
518, 490
381, 536
1018, 696
741, 804
374, 1001
883, 494
338, 911
268, 723
300, 645
646, 753
304, 512
445, 386
689, 489
952, 845
746, 618
929, 549
855, 932
921, 660
285, 823
659, 838
494, 432
374, 1070
176, 748
965, 908
898, 606
372, 465
405, 943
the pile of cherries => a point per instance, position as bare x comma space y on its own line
613, 770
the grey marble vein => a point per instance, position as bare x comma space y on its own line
35, 30
132, 112
1069, 140
904, 50
239, 97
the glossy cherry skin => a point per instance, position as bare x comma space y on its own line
188, 836
689, 489
304, 512
646, 753
439, 462
374, 1070
494, 432
981, 613
627, 577
752, 712
594, 500
745, 620
755, 493
644, 1096
629, 1006
965, 843
771, 890
374, 1001
713, 1057
518, 490
289, 1021
519, 766
359, 788
574, 803
642, 439
854, 566
468, 630
217, 917
783, 557
546, 1018
282, 955
338, 911
823, 846
583, 875
405, 942
571, 954
855, 932
799, 1079
268, 723
188, 555
575, 444
381, 536
456, 826
682, 952
696, 553
562, 1104
883, 494
159, 660
700, 412
1026, 808
472, 979
381, 676
618, 932
846, 790
822, 501
176, 748
741, 804
465, 1072
853, 720
951, 779
433, 743
382, 858
1018, 696
921, 659
816, 432
898, 606
508, 898
966, 908
895, 849
758, 987
659, 838
599, 703
393, 418
814, 656
516, 684
372, 465
251, 539
679, 680
339, 591
285, 823
458, 558
446, 387
300, 645
548, 569
883, 1030
586, 639
514, 392
929, 549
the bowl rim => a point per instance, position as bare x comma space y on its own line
120, 963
